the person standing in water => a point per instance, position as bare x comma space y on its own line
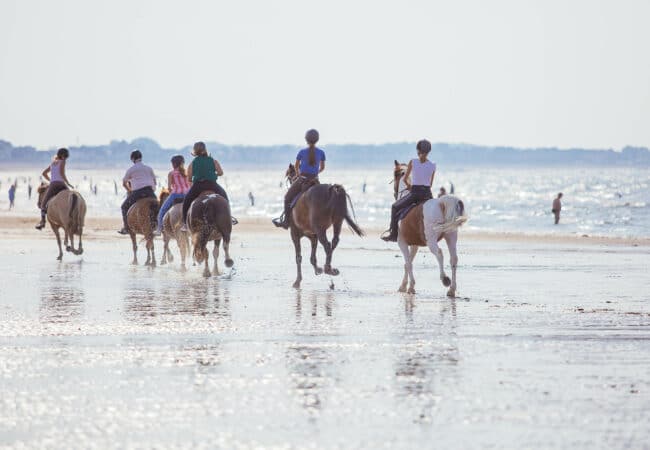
557, 207
178, 188
12, 196
203, 173
140, 182
422, 171
55, 174
310, 162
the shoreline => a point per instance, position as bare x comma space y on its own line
102, 227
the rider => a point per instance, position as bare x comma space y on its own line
178, 187
140, 182
310, 162
57, 179
203, 173
423, 172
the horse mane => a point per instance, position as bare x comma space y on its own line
164, 193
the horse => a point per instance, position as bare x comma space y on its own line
209, 219
141, 219
317, 209
424, 226
66, 210
171, 228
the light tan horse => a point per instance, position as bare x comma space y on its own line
171, 228
141, 219
424, 226
66, 210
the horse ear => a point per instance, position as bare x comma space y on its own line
396, 163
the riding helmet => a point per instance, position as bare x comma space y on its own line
177, 161
311, 136
136, 155
423, 146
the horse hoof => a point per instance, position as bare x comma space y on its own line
318, 271
332, 271
59, 258
68, 249
446, 282
402, 289
134, 263
296, 285
451, 294
411, 291
207, 274
162, 263
170, 258
229, 262
79, 252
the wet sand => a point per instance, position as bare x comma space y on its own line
547, 346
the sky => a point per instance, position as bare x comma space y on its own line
564, 73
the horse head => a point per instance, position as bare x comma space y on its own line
164, 193
41, 192
291, 174
398, 174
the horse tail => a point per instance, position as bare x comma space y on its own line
338, 204
75, 215
454, 214
154, 206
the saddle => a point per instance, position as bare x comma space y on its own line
406, 210
306, 185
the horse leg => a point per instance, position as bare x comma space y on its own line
150, 247
80, 250
163, 261
70, 248
404, 247
206, 270
452, 239
328, 269
183, 245
135, 248
295, 236
58, 241
312, 258
226, 250
215, 256
336, 234
432, 243
413, 251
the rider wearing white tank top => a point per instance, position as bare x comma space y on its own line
421, 172
55, 172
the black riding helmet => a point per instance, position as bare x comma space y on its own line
136, 155
423, 146
177, 160
62, 153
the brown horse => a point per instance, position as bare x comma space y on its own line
209, 219
320, 207
65, 210
424, 226
171, 228
141, 219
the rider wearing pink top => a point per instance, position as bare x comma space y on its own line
178, 187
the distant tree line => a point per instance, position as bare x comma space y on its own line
116, 154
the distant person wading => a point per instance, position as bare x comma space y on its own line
557, 207
203, 173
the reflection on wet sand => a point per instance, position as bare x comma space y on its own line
427, 357
310, 366
62, 298
148, 303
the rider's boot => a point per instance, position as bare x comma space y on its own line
41, 224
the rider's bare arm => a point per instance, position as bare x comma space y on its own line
169, 181
322, 166
45, 173
433, 175
189, 173
218, 168
408, 175
297, 166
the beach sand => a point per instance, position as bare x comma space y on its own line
546, 346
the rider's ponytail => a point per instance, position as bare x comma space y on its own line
312, 155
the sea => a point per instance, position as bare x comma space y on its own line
611, 202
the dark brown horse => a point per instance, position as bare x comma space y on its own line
320, 207
209, 219
141, 219
66, 210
